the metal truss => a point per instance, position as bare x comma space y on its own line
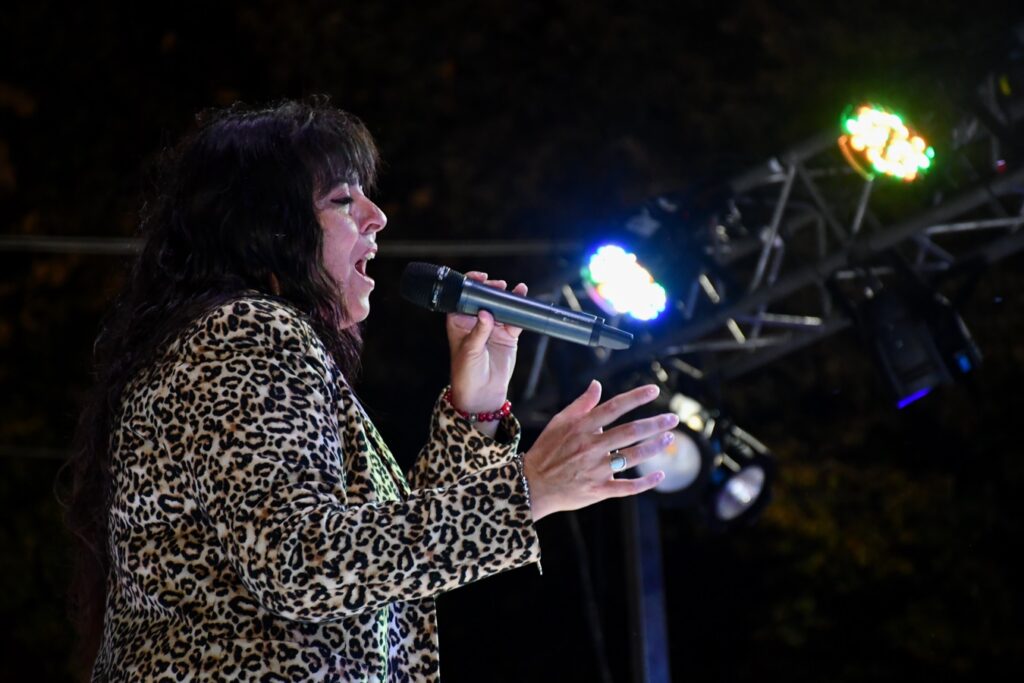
786, 236
804, 225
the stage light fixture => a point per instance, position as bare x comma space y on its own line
903, 346
919, 341
687, 461
681, 461
619, 285
713, 466
739, 493
741, 479
877, 141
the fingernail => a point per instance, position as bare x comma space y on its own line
659, 475
668, 420
653, 390
593, 383
667, 437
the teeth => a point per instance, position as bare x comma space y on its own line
363, 262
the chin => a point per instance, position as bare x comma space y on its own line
357, 312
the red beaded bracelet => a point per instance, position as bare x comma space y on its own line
504, 411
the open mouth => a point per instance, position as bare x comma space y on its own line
362, 263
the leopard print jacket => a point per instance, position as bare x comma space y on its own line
261, 530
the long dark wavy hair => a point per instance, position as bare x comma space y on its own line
232, 209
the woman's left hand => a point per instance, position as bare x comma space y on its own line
483, 354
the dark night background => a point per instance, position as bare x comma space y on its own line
887, 551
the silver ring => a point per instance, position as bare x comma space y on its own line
618, 463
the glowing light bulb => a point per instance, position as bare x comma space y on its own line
680, 461
618, 284
877, 141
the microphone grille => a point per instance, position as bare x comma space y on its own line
433, 287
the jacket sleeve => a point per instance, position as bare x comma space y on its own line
262, 443
456, 449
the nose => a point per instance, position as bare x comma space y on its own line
375, 219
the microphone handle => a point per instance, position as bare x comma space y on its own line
537, 316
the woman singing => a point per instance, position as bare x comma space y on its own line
238, 516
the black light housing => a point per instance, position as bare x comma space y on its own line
741, 479
919, 341
903, 346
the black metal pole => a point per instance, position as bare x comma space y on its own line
646, 589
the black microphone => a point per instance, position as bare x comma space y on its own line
439, 288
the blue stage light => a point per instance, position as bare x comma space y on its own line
619, 285
907, 400
963, 361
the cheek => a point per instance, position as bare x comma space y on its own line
335, 260
338, 244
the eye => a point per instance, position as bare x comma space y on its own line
342, 201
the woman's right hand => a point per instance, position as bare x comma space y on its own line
569, 466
